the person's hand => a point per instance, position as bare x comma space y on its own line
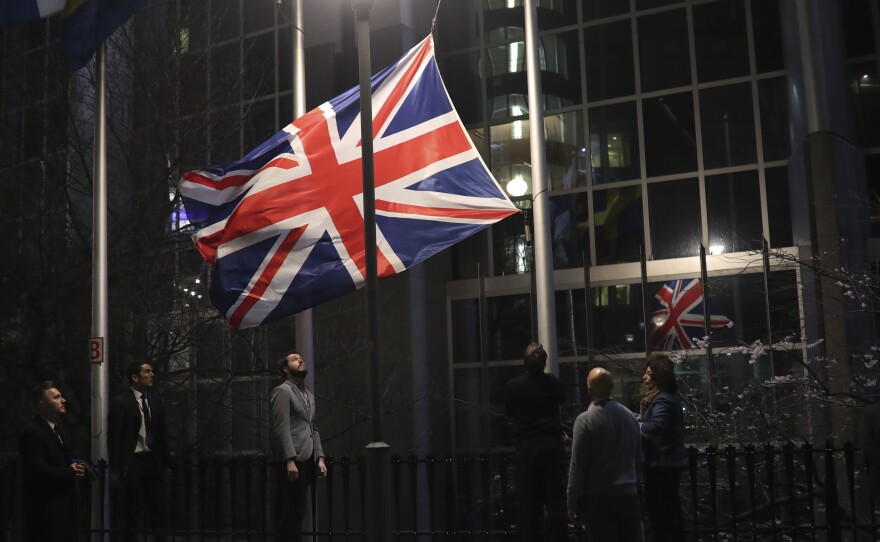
78, 469
292, 471
322, 468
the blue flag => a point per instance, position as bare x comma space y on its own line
86, 24
18, 11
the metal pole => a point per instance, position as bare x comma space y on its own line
100, 506
378, 454
305, 342
541, 204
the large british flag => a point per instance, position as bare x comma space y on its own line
283, 228
678, 315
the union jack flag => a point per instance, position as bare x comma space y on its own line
679, 317
283, 228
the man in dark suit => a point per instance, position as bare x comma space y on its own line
49, 473
297, 443
138, 455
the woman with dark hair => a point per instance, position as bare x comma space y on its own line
662, 426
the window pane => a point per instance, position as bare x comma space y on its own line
465, 330
733, 204
617, 318
599, 10
619, 224
511, 254
864, 87
560, 70
259, 123
740, 298
728, 126
462, 78
457, 25
614, 143
609, 58
778, 206
674, 211
773, 104
664, 54
720, 40
648, 4
670, 142
510, 326
258, 16
193, 32
767, 31
225, 71
785, 321
569, 230
571, 323
872, 176
259, 65
225, 18
566, 159
859, 30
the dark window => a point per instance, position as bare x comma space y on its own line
648, 4
872, 176
259, 65
773, 104
720, 40
560, 70
670, 143
733, 207
510, 326
564, 142
858, 27
226, 19
728, 126
285, 61
225, 131
259, 123
258, 15
785, 321
193, 82
194, 15
568, 229
512, 255
461, 73
674, 211
767, 32
609, 57
225, 72
740, 298
618, 216
465, 330
599, 10
617, 318
614, 143
664, 54
457, 25
864, 87
778, 206
571, 323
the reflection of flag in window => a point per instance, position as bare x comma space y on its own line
678, 315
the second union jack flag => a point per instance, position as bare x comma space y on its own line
678, 315
283, 228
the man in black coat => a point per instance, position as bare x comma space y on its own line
49, 473
138, 455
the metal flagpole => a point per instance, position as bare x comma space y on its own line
541, 199
378, 454
98, 344
305, 343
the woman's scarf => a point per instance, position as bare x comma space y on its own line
646, 400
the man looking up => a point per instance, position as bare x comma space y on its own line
138, 454
532, 401
48, 470
296, 442
602, 479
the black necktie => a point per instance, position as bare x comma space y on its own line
148, 420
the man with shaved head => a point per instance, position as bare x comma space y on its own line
602, 479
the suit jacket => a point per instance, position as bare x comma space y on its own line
294, 434
49, 483
124, 425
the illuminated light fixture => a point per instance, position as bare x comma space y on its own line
198, 281
517, 187
193, 292
659, 319
714, 250
630, 337
186, 289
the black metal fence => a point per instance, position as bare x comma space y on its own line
731, 494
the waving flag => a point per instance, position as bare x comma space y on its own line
86, 24
679, 315
283, 228
17, 11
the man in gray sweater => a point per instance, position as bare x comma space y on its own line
602, 478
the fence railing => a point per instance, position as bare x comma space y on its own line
730, 494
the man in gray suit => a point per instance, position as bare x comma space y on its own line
296, 442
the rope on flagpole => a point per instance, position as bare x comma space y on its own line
434, 20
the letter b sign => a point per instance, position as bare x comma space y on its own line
96, 350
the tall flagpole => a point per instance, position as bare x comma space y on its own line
541, 199
305, 342
378, 454
98, 345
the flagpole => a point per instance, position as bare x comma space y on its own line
100, 503
541, 198
305, 342
378, 454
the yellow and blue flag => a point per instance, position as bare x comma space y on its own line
86, 24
